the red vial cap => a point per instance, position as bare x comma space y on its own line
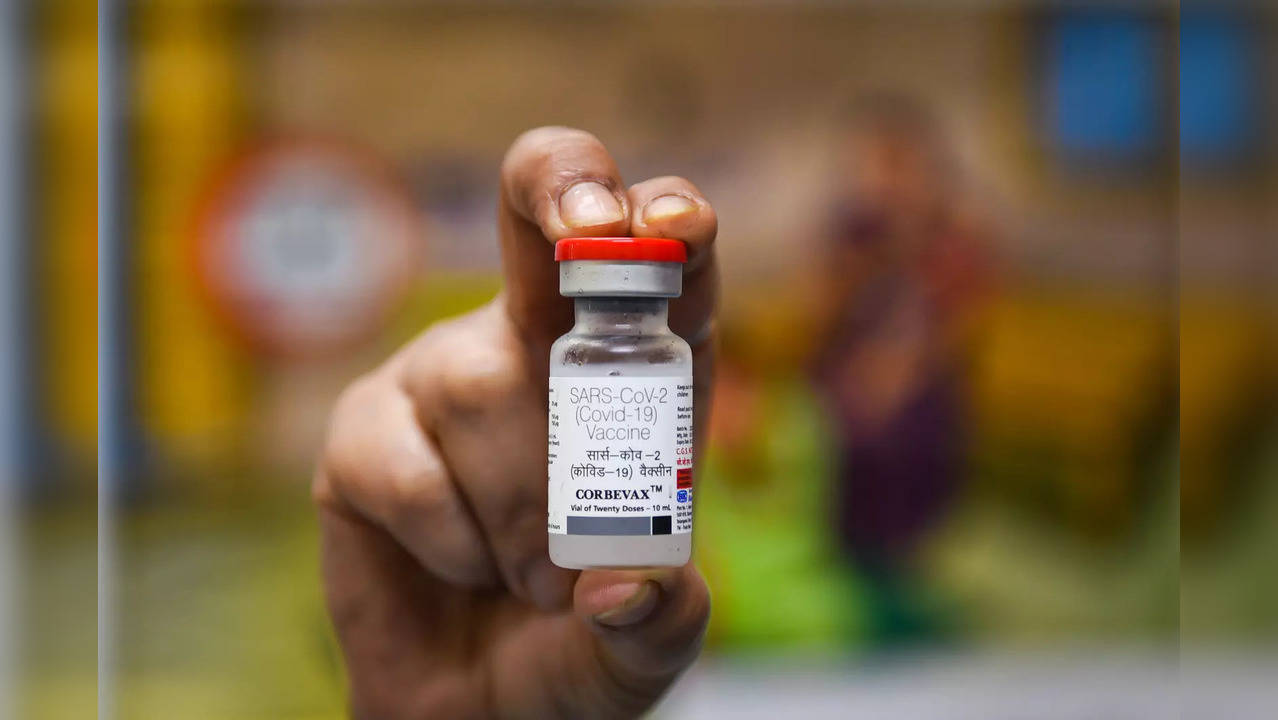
621, 248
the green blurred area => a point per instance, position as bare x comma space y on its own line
765, 544
217, 614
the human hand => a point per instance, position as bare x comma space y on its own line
431, 488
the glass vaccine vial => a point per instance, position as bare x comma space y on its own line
620, 432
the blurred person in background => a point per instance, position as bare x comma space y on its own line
903, 272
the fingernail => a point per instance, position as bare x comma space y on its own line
587, 204
546, 585
666, 207
640, 599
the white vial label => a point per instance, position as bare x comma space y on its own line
620, 456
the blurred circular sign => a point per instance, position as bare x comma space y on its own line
306, 247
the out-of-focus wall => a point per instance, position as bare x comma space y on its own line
743, 100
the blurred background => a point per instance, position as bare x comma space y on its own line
994, 432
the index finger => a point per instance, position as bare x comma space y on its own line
556, 182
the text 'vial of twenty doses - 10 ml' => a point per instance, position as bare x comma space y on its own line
620, 440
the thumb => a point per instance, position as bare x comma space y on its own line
647, 624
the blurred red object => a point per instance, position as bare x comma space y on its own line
305, 246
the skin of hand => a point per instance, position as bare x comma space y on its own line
431, 487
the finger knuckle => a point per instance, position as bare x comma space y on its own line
416, 489
479, 378
554, 157
422, 365
343, 429
353, 395
323, 494
543, 141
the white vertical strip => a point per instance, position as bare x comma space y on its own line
12, 65
111, 194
